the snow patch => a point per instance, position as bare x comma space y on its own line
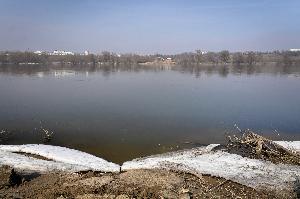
291, 145
60, 155
29, 164
250, 172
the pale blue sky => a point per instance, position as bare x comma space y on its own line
156, 26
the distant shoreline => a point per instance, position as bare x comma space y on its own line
189, 58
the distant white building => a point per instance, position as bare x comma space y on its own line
160, 59
295, 50
86, 53
38, 52
201, 52
62, 52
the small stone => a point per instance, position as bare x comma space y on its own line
184, 196
123, 196
183, 190
61, 197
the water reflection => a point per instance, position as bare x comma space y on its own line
224, 70
106, 70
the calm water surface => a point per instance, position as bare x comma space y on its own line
127, 114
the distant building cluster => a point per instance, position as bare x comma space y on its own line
59, 52
295, 50
38, 52
163, 59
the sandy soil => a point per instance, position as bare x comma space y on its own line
130, 184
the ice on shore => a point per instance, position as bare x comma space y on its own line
250, 172
203, 160
29, 164
56, 154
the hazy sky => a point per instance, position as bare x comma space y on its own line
149, 26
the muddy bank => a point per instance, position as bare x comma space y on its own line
142, 183
250, 166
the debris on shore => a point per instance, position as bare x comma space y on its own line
48, 135
4, 135
252, 145
8, 177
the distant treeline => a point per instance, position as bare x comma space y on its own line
191, 58
77, 59
238, 58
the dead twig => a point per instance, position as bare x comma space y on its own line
219, 185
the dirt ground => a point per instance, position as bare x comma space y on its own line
130, 184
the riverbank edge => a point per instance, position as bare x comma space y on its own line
257, 174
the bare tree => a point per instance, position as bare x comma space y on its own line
3, 58
251, 58
286, 59
199, 57
238, 58
212, 57
224, 56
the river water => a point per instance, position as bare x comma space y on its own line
123, 114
